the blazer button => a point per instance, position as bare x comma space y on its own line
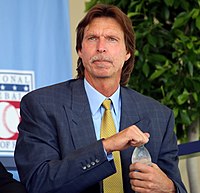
84, 167
88, 165
97, 160
92, 163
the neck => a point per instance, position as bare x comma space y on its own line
104, 86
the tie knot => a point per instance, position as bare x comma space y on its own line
106, 104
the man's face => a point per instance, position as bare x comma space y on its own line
103, 50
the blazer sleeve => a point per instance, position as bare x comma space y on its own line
45, 154
168, 156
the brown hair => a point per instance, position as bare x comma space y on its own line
102, 10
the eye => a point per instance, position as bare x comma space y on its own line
112, 39
92, 38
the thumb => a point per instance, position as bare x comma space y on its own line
155, 166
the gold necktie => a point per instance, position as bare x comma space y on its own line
113, 183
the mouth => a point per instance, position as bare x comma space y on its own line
101, 59
102, 63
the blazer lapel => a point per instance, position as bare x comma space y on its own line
79, 117
130, 112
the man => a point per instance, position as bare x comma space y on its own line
8, 184
60, 148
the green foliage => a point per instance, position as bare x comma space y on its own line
167, 64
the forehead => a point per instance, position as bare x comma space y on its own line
104, 24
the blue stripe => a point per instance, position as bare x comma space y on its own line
189, 148
14, 87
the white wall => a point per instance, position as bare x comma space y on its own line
77, 8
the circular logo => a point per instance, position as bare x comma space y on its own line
9, 120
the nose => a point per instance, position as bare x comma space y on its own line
101, 46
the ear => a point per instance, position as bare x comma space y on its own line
128, 55
80, 53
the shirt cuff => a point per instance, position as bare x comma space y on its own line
108, 155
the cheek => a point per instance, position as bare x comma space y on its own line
120, 53
121, 59
85, 53
85, 58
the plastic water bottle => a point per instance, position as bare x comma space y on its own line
141, 154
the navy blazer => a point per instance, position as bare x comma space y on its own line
57, 150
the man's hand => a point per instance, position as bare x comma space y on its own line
144, 178
131, 136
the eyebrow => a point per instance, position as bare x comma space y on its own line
106, 35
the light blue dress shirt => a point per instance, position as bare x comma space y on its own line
95, 100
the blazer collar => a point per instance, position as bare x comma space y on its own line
81, 124
131, 112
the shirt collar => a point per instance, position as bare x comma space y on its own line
96, 98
